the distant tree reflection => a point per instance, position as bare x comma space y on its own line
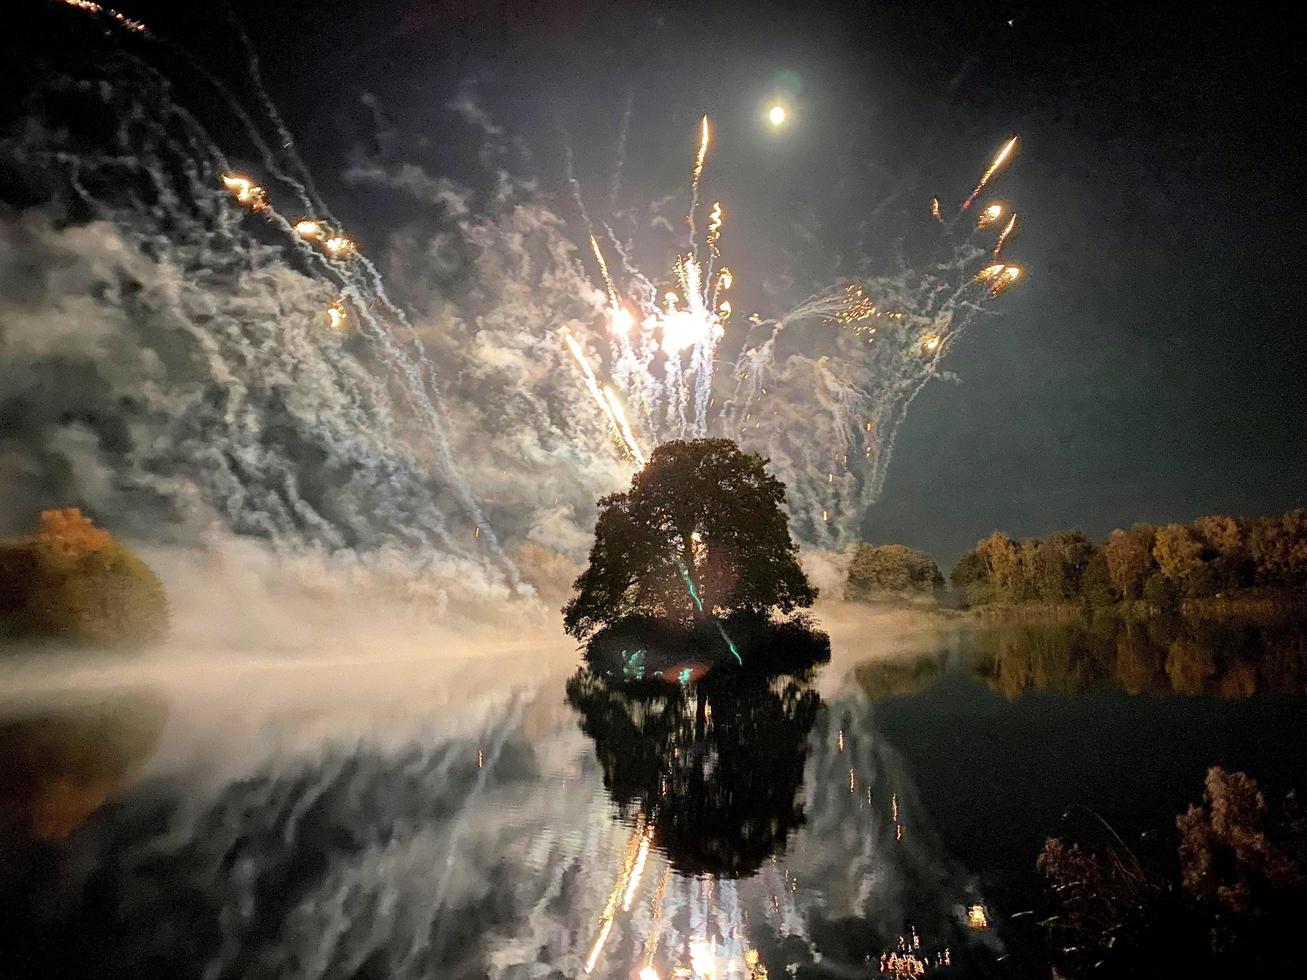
714, 766
1160, 657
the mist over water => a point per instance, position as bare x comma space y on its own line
408, 808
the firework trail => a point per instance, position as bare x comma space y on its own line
828, 422
695, 177
1000, 159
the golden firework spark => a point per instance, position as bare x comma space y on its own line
697, 173
246, 192
615, 424
623, 427
1010, 274
338, 315
1005, 234
989, 215
990, 273
715, 218
936, 211
339, 247
703, 150
993, 168
307, 228
930, 343
135, 26
603, 271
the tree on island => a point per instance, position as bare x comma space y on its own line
878, 570
701, 532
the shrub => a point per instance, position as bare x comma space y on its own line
890, 568
73, 582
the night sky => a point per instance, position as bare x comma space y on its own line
1151, 367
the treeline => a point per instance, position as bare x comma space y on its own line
1159, 565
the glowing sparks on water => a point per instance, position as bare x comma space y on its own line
992, 169
246, 192
637, 871
629, 858
598, 947
702, 959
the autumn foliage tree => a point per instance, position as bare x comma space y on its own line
700, 532
1159, 565
890, 568
74, 582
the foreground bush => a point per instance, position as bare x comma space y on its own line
1232, 908
72, 581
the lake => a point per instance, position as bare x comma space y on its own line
487, 810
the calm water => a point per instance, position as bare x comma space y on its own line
503, 815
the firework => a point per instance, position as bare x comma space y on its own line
697, 173
993, 168
714, 227
603, 271
247, 193
1010, 274
337, 314
597, 393
339, 247
1004, 235
936, 211
309, 229
989, 215
135, 26
623, 427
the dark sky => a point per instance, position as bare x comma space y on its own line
1151, 368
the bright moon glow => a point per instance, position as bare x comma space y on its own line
776, 115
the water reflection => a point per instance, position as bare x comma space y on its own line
1159, 657
714, 769
791, 833
59, 766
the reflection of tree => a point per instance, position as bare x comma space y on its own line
715, 767
1161, 657
58, 769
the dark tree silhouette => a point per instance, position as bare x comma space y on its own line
700, 532
716, 768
